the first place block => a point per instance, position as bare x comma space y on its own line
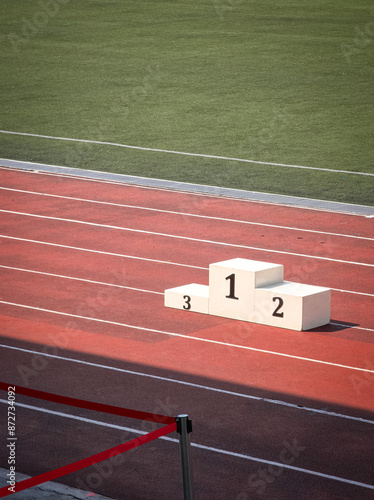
232, 285
192, 297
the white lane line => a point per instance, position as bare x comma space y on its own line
186, 238
189, 337
189, 384
82, 419
129, 287
101, 252
355, 293
145, 291
158, 293
195, 445
345, 325
101, 283
104, 143
187, 214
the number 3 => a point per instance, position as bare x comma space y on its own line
187, 305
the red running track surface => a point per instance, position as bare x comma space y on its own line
276, 413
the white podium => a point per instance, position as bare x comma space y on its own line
254, 291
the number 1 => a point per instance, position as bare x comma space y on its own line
232, 287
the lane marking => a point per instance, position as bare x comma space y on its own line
105, 143
188, 384
355, 293
101, 283
137, 258
189, 337
186, 238
102, 252
132, 288
187, 214
354, 327
195, 445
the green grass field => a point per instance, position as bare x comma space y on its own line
286, 82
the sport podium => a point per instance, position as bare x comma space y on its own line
254, 291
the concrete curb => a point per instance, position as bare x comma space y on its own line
333, 206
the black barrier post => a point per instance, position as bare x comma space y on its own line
184, 427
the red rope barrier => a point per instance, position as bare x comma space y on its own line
86, 462
88, 405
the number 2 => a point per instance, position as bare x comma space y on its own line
280, 304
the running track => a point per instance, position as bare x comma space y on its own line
276, 414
